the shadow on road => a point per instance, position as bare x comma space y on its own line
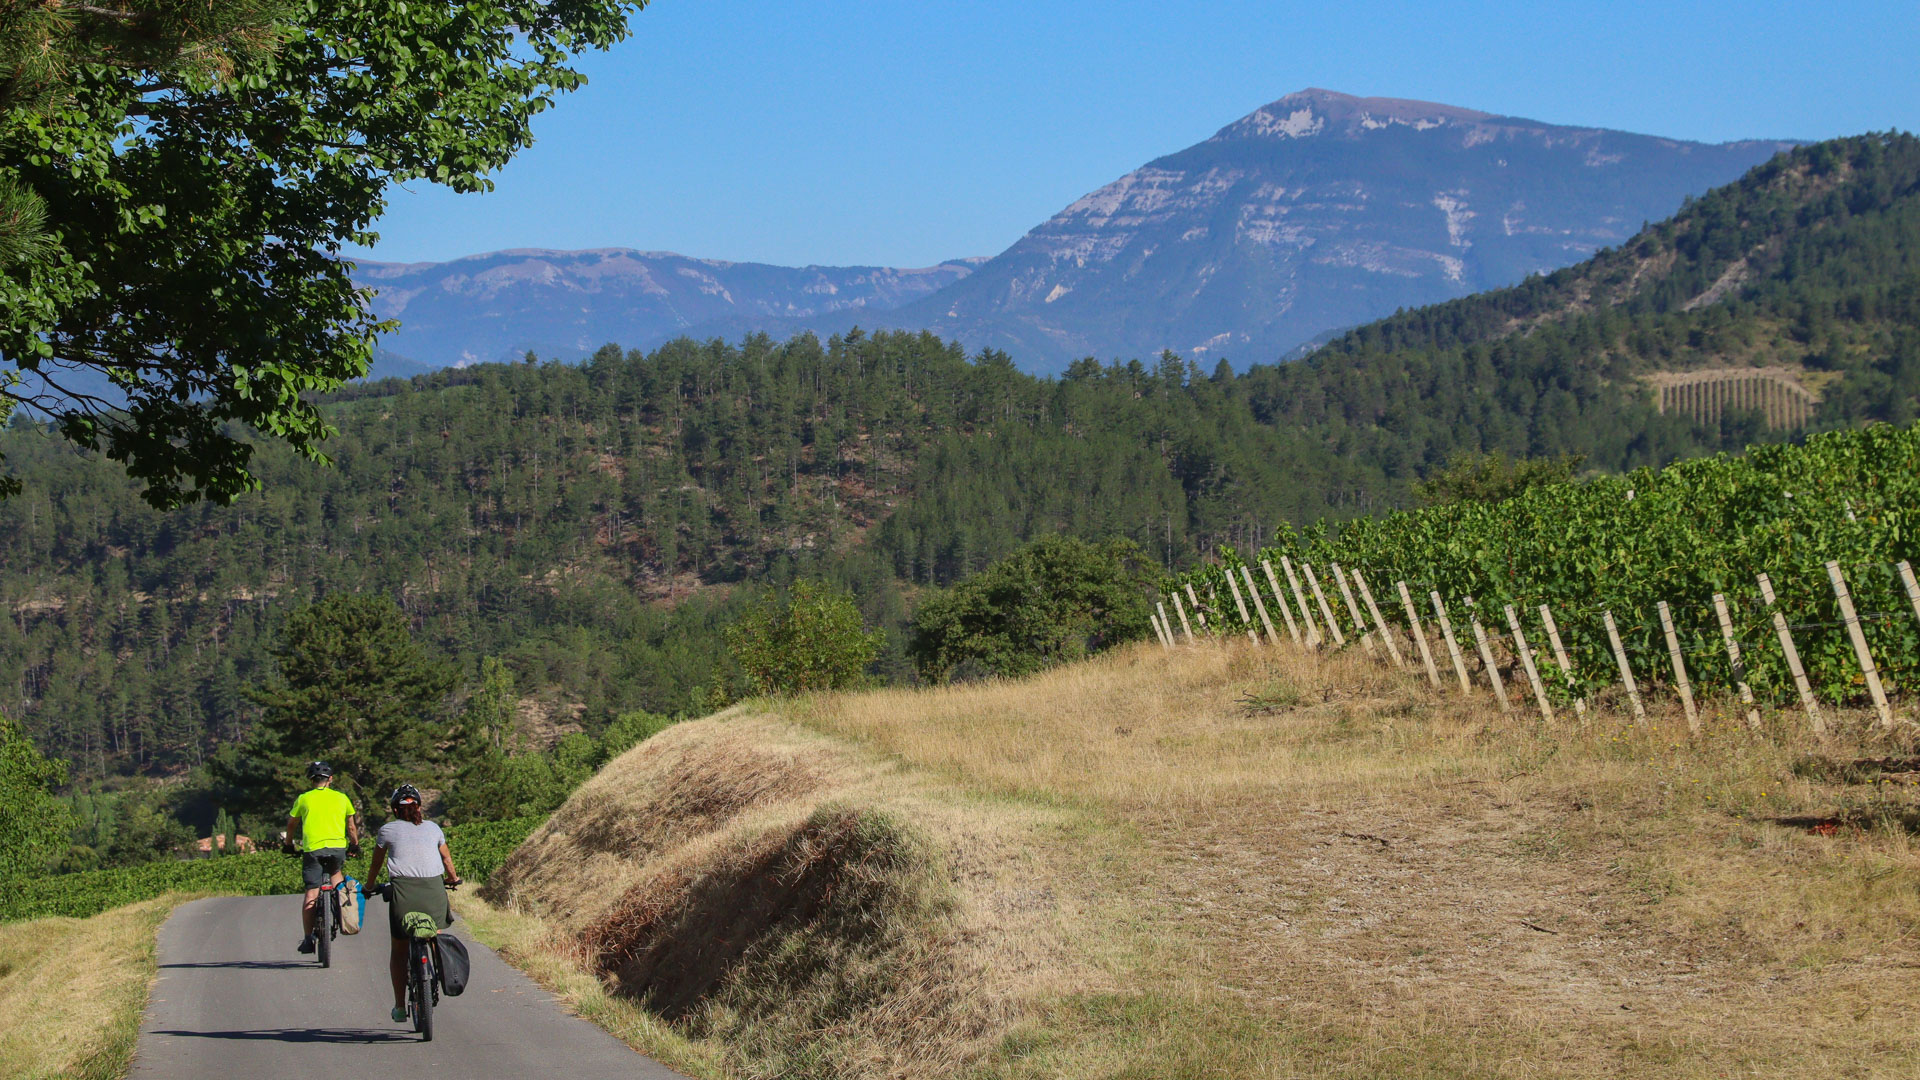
300, 1035
251, 965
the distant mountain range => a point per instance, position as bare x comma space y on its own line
1312, 214
568, 303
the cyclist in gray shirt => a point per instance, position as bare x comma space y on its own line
414, 853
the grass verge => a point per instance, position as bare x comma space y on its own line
72, 991
1226, 862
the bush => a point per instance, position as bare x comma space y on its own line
629, 730
812, 640
34, 826
480, 847
1057, 599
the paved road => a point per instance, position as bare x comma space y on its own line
235, 1000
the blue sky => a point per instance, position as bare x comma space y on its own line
903, 132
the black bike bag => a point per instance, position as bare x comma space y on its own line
454, 965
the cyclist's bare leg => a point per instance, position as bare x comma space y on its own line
397, 968
309, 911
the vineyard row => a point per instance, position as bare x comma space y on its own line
1783, 576
1551, 677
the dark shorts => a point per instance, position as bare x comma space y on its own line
428, 894
318, 866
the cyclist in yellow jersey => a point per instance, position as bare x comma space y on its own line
323, 828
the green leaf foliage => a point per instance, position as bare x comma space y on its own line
187, 206
33, 824
1494, 477
810, 639
1681, 534
1058, 599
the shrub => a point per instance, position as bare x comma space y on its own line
33, 824
813, 639
1059, 598
480, 847
629, 730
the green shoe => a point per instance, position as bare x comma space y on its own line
399, 1014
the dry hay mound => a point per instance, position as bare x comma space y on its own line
672, 789
731, 877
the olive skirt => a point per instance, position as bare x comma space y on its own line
424, 894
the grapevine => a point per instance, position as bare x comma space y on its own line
1681, 534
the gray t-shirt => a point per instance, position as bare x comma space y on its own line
412, 850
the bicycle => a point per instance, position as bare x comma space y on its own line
326, 920
423, 969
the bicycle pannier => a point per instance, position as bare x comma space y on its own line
353, 906
454, 965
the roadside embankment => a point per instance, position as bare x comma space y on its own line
789, 905
1230, 861
72, 991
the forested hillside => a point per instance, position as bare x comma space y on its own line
595, 525
1811, 261
590, 524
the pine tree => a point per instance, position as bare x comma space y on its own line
352, 688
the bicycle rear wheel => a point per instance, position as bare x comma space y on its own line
420, 989
323, 926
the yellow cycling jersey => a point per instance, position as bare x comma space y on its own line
323, 814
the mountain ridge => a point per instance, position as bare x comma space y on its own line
497, 305
1316, 211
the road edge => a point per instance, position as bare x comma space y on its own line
513, 937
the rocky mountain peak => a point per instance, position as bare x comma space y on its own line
1314, 111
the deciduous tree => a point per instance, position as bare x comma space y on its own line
178, 180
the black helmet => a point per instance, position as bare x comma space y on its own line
403, 793
319, 770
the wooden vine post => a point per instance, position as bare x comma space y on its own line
1560, 657
1340, 579
1199, 615
1326, 609
1281, 599
1163, 621
1386, 634
1184, 624
1860, 650
1245, 619
1486, 658
1800, 682
1259, 605
1679, 667
1419, 635
1526, 661
1626, 669
1314, 637
1453, 647
1738, 666
1912, 587
1154, 621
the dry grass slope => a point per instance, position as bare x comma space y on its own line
789, 905
72, 991
1229, 861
